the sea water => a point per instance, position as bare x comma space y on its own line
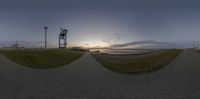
125, 51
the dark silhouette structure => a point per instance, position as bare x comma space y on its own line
63, 38
45, 30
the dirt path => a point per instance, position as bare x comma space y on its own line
87, 79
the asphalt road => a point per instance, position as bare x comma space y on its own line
87, 79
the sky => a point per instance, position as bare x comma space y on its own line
100, 23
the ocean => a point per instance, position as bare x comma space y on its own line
125, 51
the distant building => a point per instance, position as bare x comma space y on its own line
14, 47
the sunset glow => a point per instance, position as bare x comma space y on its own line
95, 45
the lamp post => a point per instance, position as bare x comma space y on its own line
45, 30
193, 44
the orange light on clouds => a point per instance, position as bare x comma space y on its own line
95, 45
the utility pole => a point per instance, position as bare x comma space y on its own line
194, 44
45, 30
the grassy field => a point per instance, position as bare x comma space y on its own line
43, 59
137, 63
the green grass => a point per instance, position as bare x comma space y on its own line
42, 59
137, 63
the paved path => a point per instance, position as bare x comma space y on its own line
87, 79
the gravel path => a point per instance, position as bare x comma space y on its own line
87, 79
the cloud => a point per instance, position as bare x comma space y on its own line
24, 43
114, 37
146, 43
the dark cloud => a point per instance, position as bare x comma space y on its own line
151, 43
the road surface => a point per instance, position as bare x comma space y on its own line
87, 79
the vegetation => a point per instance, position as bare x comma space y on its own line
42, 59
137, 63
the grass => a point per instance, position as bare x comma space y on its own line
137, 63
42, 59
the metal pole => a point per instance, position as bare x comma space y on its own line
45, 30
59, 40
45, 38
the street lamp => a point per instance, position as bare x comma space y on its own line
45, 30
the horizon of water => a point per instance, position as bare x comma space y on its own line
125, 51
